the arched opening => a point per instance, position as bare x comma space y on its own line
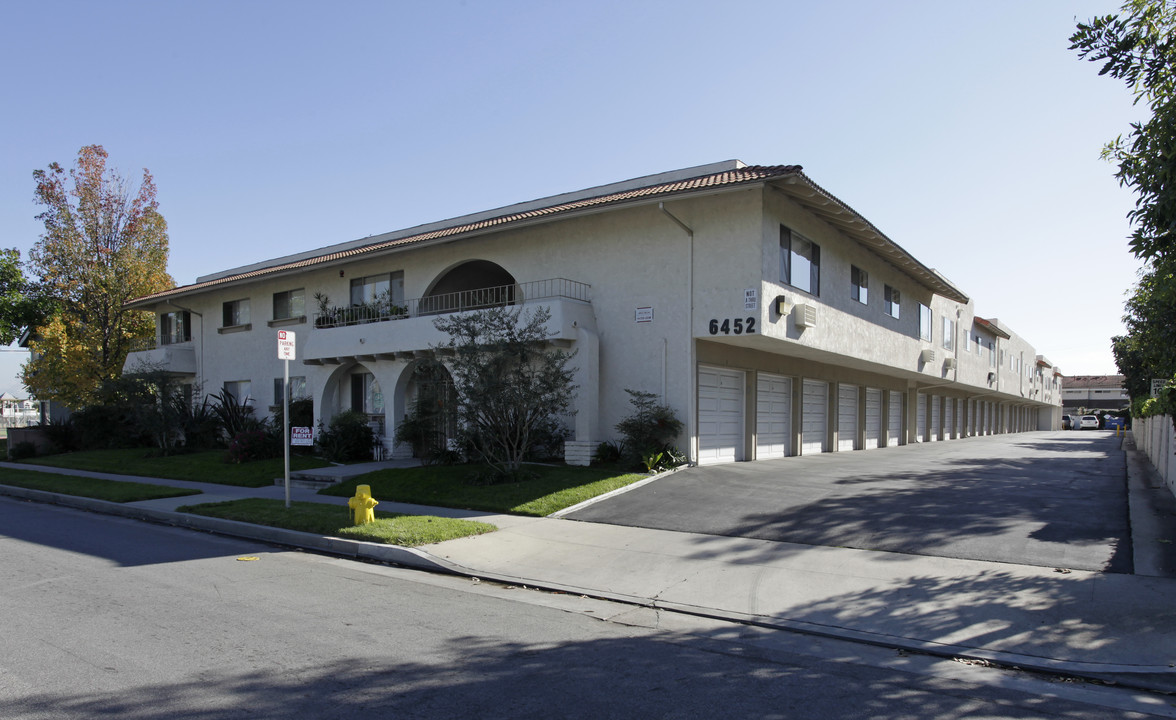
469, 286
430, 423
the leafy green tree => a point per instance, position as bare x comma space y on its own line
22, 304
105, 243
509, 383
1138, 46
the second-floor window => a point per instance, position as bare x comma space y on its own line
800, 262
924, 322
175, 327
893, 303
235, 312
948, 333
290, 304
859, 284
375, 289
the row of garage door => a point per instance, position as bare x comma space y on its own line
721, 413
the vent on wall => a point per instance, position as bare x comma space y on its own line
805, 315
927, 356
949, 363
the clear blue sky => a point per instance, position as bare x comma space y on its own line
967, 132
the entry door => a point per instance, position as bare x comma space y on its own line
773, 416
814, 421
921, 418
934, 433
873, 417
720, 415
894, 420
847, 417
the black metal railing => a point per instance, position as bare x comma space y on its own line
460, 301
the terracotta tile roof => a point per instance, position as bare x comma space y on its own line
992, 327
799, 185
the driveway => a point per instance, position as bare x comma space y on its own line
1054, 499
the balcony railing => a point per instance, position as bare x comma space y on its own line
452, 302
151, 343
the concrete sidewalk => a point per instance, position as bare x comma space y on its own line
1098, 625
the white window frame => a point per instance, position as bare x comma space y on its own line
892, 301
809, 278
859, 284
926, 322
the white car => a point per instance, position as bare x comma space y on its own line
1088, 421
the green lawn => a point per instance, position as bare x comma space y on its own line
554, 489
200, 467
335, 520
112, 490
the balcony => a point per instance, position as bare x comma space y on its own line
387, 331
173, 355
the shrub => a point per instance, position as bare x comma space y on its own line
250, 445
650, 429
22, 451
347, 438
609, 452
61, 435
422, 429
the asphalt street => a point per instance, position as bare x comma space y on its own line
107, 617
1054, 499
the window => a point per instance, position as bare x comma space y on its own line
992, 353
366, 396
948, 333
377, 289
893, 301
924, 322
967, 343
175, 327
235, 313
290, 304
859, 282
800, 262
979, 346
239, 391
297, 389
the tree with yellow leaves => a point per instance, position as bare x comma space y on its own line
105, 243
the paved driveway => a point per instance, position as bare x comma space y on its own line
1055, 499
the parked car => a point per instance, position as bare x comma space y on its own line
1088, 422
1067, 422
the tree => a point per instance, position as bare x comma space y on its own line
105, 243
508, 383
22, 304
1138, 46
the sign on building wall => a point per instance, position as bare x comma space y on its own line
644, 315
750, 299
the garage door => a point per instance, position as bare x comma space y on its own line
933, 433
948, 418
814, 420
773, 416
847, 417
921, 418
894, 419
873, 417
720, 415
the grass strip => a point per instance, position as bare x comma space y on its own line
335, 521
552, 488
118, 491
200, 467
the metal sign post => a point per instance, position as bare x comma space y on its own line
286, 352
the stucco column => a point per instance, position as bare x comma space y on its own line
586, 433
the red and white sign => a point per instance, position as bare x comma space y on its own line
301, 436
286, 345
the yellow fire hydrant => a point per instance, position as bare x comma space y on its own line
362, 504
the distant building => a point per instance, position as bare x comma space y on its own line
1093, 392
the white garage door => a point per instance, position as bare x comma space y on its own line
948, 418
773, 416
933, 434
921, 418
847, 417
894, 419
815, 410
873, 417
720, 415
